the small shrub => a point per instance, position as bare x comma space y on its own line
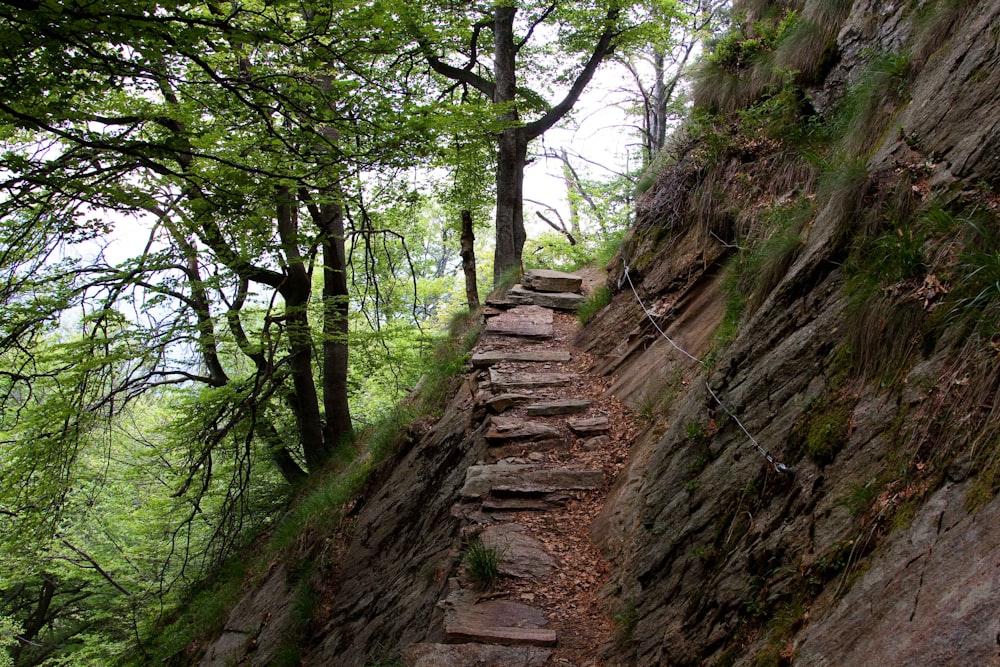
694, 430
823, 432
482, 565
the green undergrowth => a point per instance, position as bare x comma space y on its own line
318, 512
553, 251
594, 304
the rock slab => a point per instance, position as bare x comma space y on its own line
502, 622
486, 359
507, 381
502, 402
556, 300
546, 280
591, 426
521, 556
507, 429
532, 322
526, 479
466, 655
563, 407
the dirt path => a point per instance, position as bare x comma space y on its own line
532, 500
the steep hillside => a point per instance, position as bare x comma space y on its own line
806, 324
826, 232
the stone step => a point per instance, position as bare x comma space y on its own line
526, 479
557, 300
522, 504
591, 426
564, 407
504, 430
547, 280
510, 381
505, 636
521, 556
491, 357
502, 402
463, 655
504, 622
533, 322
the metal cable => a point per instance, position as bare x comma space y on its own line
777, 465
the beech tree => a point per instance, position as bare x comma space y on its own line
495, 49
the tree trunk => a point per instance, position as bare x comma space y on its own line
513, 148
469, 260
510, 234
338, 426
295, 291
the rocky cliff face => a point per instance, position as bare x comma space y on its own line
857, 369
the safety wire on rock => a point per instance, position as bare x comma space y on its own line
777, 465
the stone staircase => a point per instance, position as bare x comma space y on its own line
537, 430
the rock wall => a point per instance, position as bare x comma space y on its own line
867, 553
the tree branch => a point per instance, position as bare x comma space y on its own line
603, 48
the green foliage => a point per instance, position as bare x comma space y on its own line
594, 304
204, 613
808, 46
735, 302
986, 485
740, 64
482, 565
823, 429
9, 630
553, 251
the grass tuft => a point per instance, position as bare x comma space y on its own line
482, 565
594, 304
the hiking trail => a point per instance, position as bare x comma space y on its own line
555, 444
